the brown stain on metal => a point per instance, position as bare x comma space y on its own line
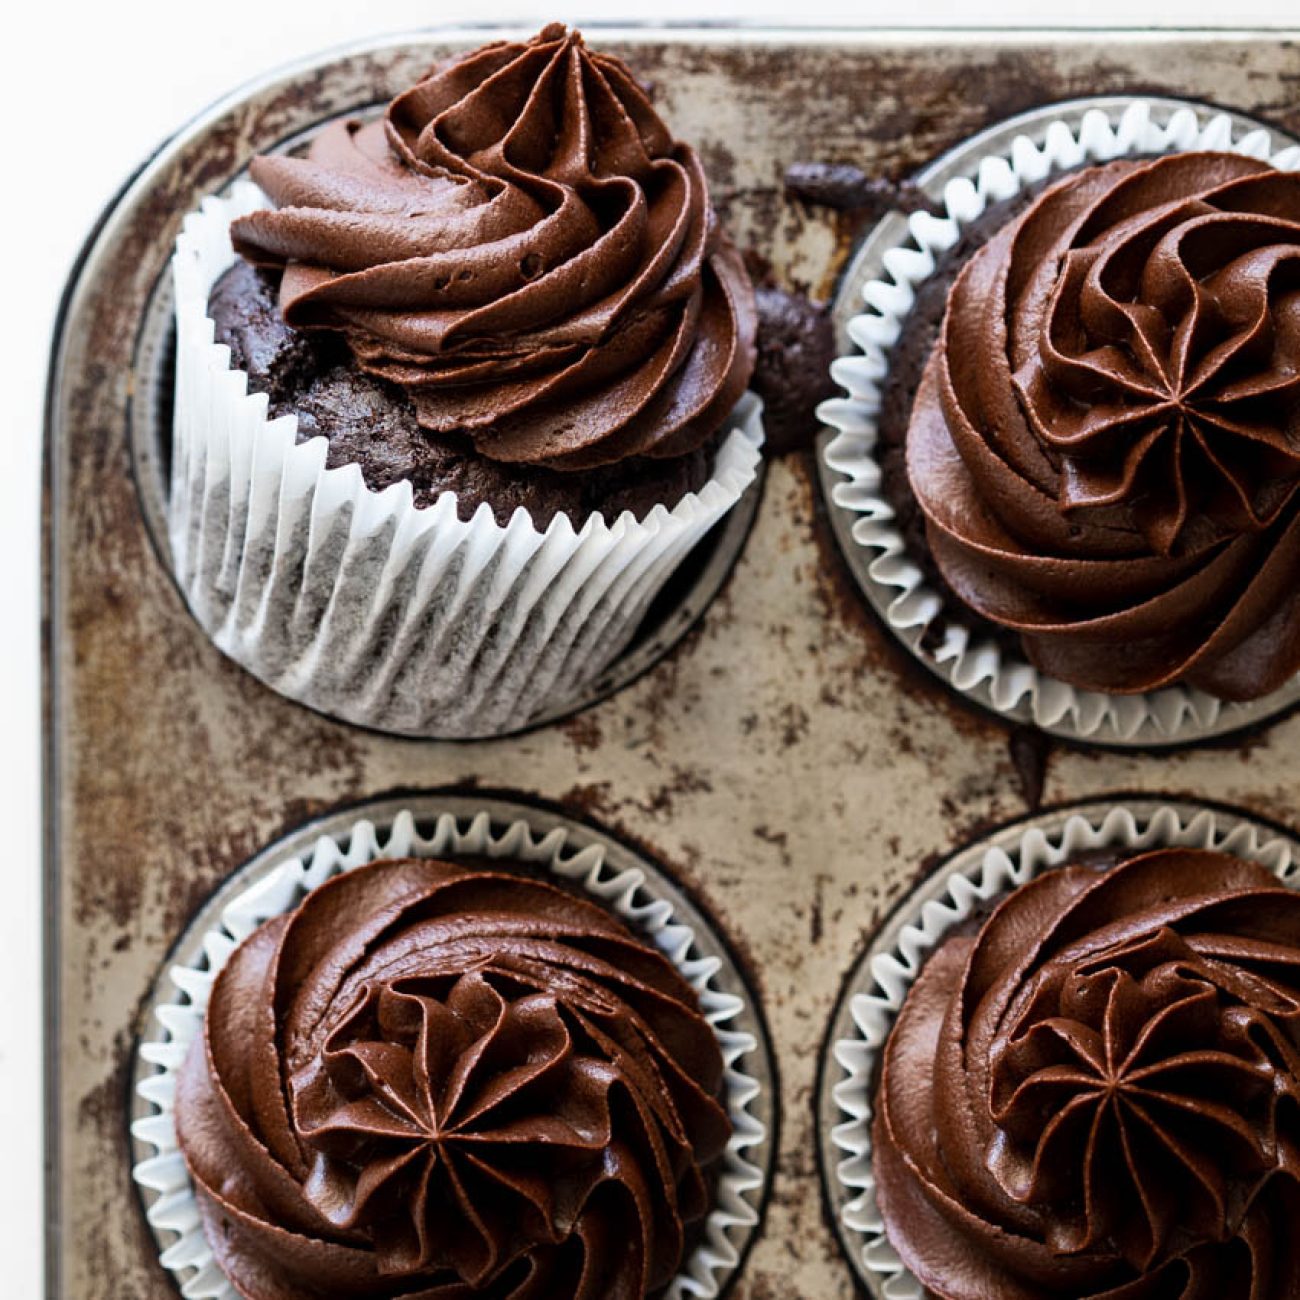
794, 725
780, 840
583, 733
592, 800
661, 801
791, 765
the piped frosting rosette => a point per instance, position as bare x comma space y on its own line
1105, 444
520, 243
1068, 1068
487, 1084
522, 247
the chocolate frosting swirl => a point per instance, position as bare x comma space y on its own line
1095, 1097
1106, 442
436, 1082
524, 248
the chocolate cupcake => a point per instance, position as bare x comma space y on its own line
429, 1077
472, 390
1093, 452
1078, 1075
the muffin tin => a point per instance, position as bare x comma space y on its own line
786, 762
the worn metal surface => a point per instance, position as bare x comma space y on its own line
788, 762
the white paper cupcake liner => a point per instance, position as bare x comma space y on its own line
972, 663
173, 1211
362, 606
876, 990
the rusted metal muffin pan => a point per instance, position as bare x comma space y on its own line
779, 756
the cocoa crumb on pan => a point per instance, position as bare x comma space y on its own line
796, 345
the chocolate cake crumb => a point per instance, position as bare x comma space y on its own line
796, 346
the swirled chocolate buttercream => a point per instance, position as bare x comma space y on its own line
1097, 1096
523, 247
436, 1082
1106, 441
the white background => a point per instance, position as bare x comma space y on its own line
88, 90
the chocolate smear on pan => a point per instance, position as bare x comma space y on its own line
843, 187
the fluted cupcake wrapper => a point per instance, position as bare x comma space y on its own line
877, 991
973, 663
627, 893
357, 603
